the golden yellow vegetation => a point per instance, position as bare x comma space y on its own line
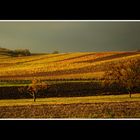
66, 65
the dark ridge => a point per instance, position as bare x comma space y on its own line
4, 51
14, 53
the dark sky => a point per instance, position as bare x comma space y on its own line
70, 36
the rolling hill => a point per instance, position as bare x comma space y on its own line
80, 65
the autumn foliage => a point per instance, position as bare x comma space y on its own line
35, 87
125, 74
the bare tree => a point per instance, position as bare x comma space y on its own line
126, 74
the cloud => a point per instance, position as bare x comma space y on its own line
72, 36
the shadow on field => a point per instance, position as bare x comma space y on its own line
66, 89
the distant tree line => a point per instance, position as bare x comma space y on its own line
17, 52
21, 52
55, 52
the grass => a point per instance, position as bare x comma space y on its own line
117, 106
71, 100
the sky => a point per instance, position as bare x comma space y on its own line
46, 37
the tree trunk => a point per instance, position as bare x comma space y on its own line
34, 97
129, 94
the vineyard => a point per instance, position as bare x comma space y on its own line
64, 66
74, 86
67, 74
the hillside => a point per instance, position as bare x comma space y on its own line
86, 65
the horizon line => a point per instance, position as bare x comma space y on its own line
69, 20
